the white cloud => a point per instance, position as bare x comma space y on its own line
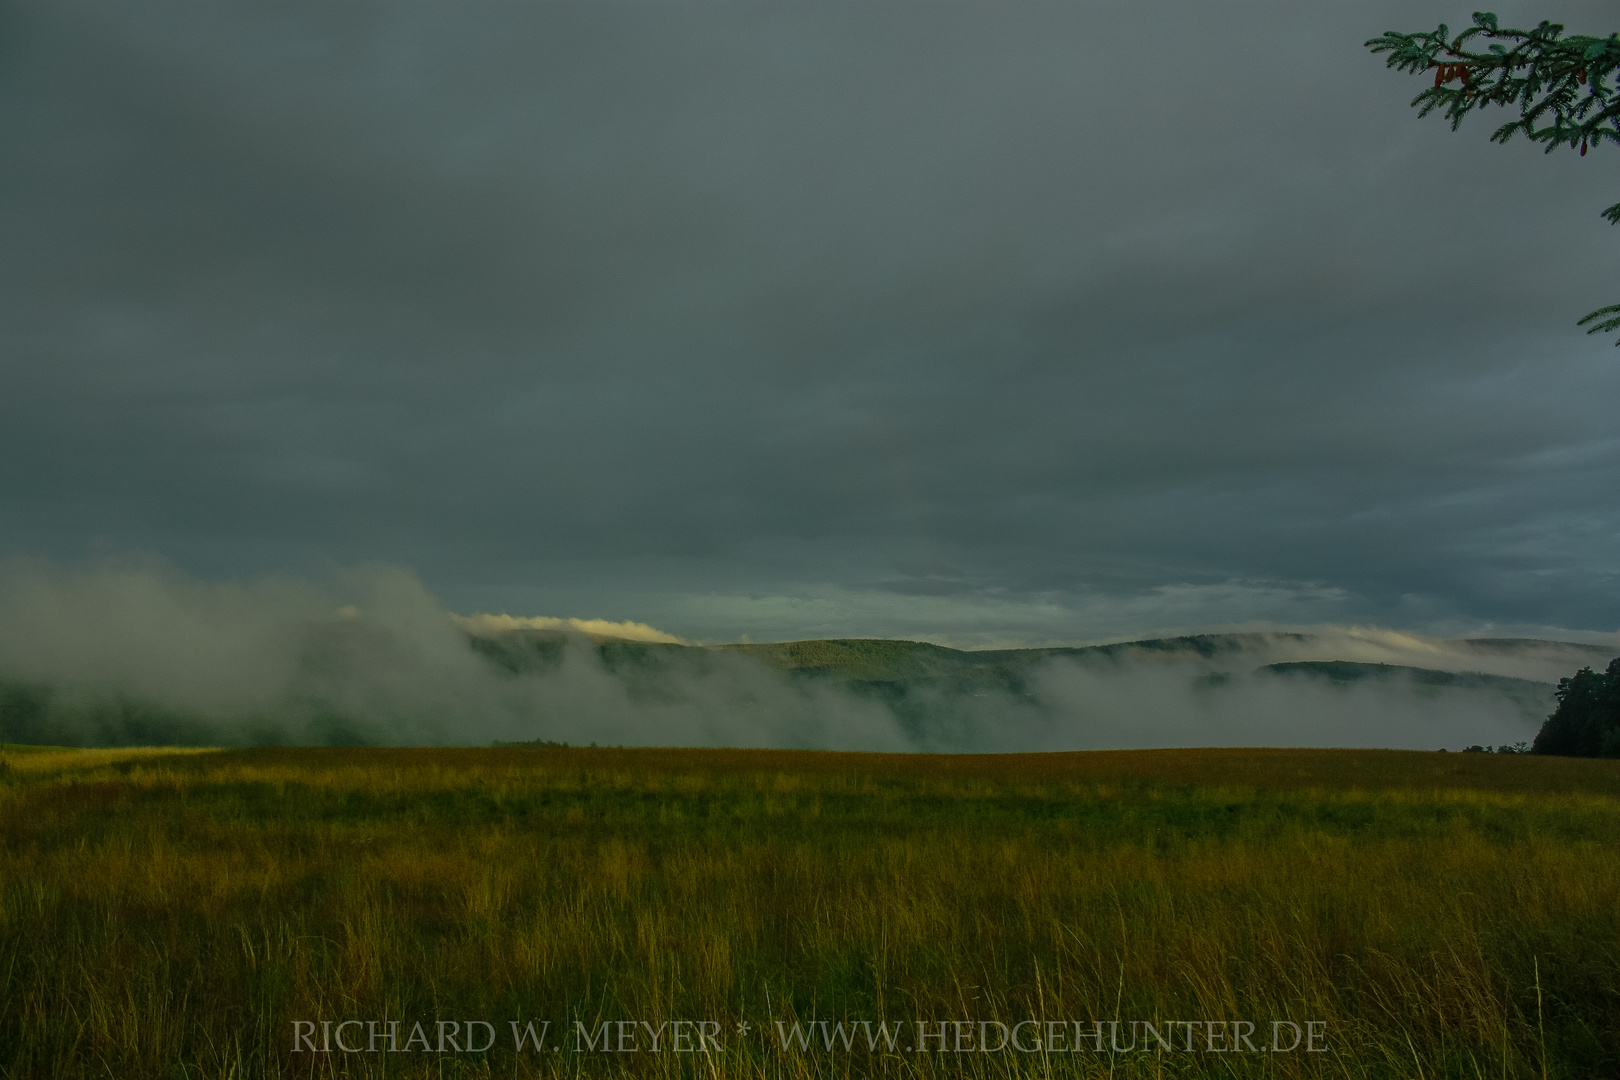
595, 629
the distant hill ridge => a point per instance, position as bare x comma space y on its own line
942, 698
1534, 696
887, 660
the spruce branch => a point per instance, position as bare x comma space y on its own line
1562, 87
1606, 324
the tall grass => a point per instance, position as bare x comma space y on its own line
174, 914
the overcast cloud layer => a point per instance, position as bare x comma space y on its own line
989, 323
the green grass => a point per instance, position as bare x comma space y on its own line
167, 915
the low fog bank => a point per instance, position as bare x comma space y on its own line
135, 652
1223, 690
1094, 707
1518, 658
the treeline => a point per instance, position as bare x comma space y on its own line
1587, 720
32, 714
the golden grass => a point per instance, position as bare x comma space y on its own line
29, 759
168, 914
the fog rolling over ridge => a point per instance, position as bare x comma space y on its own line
136, 652
367, 656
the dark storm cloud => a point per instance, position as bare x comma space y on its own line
1000, 321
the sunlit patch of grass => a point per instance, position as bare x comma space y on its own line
59, 759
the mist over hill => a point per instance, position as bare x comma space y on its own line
1199, 689
128, 654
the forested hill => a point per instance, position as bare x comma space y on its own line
878, 660
881, 660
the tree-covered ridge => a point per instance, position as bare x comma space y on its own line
1530, 694
1349, 671
940, 698
884, 660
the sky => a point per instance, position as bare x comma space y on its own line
990, 323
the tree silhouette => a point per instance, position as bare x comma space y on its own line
1587, 720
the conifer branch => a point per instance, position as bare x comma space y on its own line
1562, 86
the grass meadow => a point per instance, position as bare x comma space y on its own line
180, 914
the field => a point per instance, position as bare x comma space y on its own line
201, 914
